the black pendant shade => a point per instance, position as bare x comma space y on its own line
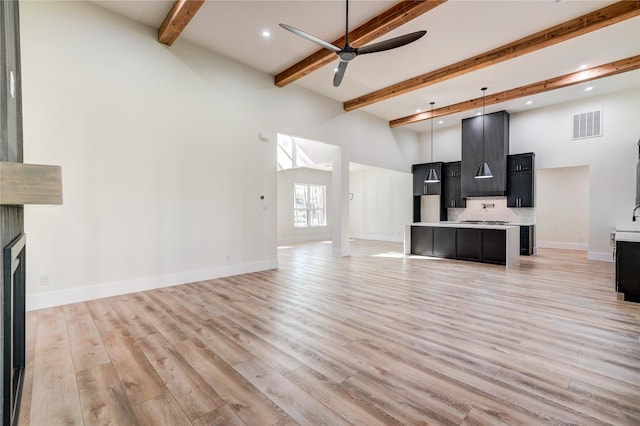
484, 172
432, 177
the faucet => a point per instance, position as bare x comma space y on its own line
634, 213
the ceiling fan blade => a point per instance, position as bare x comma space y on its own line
392, 43
311, 38
337, 77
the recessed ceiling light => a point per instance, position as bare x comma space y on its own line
478, 113
529, 102
583, 67
266, 34
587, 89
441, 122
418, 110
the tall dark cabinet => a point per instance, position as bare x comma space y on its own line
520, 180
496, 148
421, 188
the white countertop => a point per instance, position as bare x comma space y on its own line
629, 232
464, 225
506, 224
629, 227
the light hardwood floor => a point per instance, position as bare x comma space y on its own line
374, 338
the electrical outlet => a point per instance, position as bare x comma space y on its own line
44, 280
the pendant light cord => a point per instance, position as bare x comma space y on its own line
484, 89
432, 130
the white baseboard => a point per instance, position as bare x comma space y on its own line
116, 288
562, 245
306, 239
603, 256
391, 238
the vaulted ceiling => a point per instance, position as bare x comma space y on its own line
528, 53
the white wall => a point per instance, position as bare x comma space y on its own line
287, 233
547, 132
447, 144
562, 205
611, 158
162, 165
382, 204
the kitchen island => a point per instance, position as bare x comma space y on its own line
479, 242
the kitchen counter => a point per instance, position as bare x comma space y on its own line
628, 232
465, 225
479, 242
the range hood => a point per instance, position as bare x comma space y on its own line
30, 184
492, 149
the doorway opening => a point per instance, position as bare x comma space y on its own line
562, 208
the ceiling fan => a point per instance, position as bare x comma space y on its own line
348, 53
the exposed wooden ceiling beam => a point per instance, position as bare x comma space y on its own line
596, 20
177, 19
390, 19
606, 70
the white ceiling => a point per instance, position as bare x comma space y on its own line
456, 30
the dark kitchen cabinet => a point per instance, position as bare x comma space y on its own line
479, 245
628, 270
420, 188
451, 186
433, 241
496, 148
417, 209
520, 180
527, 238
468, 244
493, 246
520, 162
422, 240
420, 172
444, 242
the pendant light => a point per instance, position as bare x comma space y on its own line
432, 177
484, 172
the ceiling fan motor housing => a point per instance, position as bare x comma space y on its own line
347, 54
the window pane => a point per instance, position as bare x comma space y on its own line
316, 196
300, 197
309, 205
316, 218
300, 218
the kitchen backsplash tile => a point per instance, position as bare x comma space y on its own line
481, 209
